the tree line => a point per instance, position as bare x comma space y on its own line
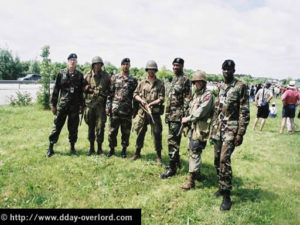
11, 68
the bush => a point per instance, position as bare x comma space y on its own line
22, 99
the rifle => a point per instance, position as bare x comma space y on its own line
82, 115
148, 111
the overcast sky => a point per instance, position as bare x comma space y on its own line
261, 36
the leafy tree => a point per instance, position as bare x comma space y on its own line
34, 67
44, 94
165, 74
10, 68
110, 68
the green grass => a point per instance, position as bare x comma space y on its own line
266, 185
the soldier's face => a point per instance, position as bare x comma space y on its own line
199, 84
228, 73
72, 62
125, 67
97, 67
151, 72
177, 68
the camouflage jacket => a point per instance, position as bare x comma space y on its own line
201, 111
99, 88
121, 94
70, 89
151, 91
232, 109
179, 98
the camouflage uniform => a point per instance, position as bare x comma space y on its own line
231, 118
95, 100
200, 115
177, 107
150, 91
120, 106
70, 89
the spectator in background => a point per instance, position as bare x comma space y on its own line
289, 99
252, 93
262, 99
273, 111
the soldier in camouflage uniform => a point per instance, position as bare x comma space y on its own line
200, 114
96, 92
177, 108
150, 94
231, 119
119, 106
69, 86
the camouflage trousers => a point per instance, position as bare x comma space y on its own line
141, 129
125, 123
174, 141
223, 150
195, 150
95, 118
59, 121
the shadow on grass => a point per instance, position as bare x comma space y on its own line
253, 195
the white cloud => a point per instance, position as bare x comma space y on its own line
261, 36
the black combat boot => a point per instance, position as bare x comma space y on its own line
99, 151
92, 149
123, 153
218, 193
226, 203
111, 152
137, 154
72, 149
50, 151
171, 170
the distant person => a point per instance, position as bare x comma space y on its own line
273, 111
252, 93
258, 87
69, 85
289, 99
262, 99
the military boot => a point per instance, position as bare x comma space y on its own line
99, 150
50, 151
137, 154
92, 149
191, 182
226, 203
111, 152
178, 163
171, 171
123, 153
158, 157
218, 193
72, 149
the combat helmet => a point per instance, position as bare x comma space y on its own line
151, 64
199, 75
97, 59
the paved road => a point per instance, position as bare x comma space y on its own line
8, 90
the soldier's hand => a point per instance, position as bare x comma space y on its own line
184, 120
107, 112
86, 87
80, 110
54, 110
238, 140
143, 102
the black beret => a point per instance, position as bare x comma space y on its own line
228, 64
125, 60
178, 60
72, 56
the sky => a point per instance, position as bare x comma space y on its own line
261, 36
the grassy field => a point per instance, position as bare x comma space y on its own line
266, 175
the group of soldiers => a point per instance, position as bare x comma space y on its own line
121, 97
